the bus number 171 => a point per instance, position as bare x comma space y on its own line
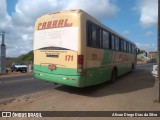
69, 58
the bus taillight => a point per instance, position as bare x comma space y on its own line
80, 63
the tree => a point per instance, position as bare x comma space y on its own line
25, 58
142, 51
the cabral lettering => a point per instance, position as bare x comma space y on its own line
54, 24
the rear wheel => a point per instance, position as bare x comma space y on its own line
132, 67
114, 75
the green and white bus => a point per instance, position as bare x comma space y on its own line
73, 48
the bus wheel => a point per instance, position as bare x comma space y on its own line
132, 67
113, 75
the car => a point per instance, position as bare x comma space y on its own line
18, 67
151, 61
155, 71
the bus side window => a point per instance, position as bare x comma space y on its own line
99, 41
117, 43
94, 35
129, 47
89, 34
122, 45
125, 47
113, 42
105, 39
133, 49
110, 41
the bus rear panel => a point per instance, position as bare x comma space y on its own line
56, 56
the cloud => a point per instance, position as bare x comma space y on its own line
148, 12
149, 34
5, 19
19, 27
101, 9
147, 47
27, 12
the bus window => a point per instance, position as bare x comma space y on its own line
94, 35
113, 42
127, 44
129, 47
105, 39
117, 43
122, 45
133, 49
89, 34
125, 47
99, 39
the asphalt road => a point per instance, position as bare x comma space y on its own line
25, 84
21, 85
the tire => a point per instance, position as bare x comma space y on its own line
132, 69
113, 76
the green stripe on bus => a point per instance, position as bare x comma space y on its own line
67, 71
66, 76
91, 76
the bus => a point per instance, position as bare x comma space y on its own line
73, 48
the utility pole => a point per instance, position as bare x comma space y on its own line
158, 80
3, 55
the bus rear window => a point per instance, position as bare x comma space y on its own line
57, 38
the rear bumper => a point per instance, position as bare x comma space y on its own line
76, 81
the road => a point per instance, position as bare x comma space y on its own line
21, 85
134, 91
25, 84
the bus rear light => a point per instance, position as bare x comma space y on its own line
65, 78
80, 63
80, 59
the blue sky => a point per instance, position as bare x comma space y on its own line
11, 6
134, 19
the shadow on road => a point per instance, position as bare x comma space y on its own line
134, 81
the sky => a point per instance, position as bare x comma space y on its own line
133, 19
